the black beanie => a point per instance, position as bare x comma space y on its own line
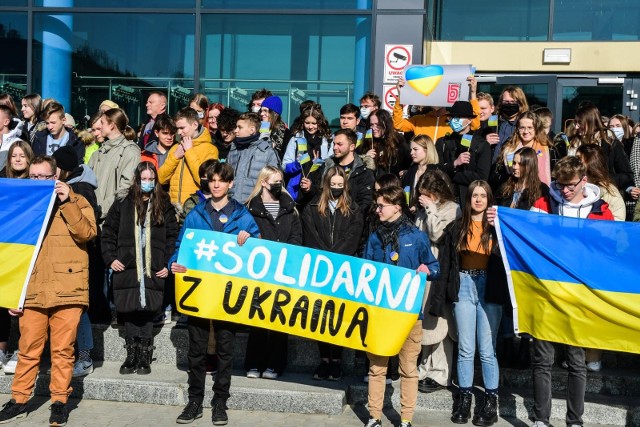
66, 158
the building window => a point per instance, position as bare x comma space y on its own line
320, 57
595, 20
121, 58
287, 4
468, 20
13, 45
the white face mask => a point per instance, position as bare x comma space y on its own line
618, 132
255, 109
365, 112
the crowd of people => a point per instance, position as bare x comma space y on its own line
417, 192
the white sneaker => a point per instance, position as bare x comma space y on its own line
167, 316
82, 368
253, 373
594, 366
10, 366
270, 374
539, 424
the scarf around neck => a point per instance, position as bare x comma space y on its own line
389, 232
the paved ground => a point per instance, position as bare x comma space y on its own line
116, 414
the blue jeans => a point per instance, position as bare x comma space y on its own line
85, 335
476, 318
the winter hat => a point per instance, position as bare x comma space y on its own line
69, 120
108, 103
66, 158
273, 103
461, 109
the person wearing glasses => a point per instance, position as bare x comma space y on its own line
571, 196
398, 242
529, 133
332, 222
56, 296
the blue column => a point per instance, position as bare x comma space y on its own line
57, 34
363, 43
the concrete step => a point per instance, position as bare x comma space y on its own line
297, 393
167, 385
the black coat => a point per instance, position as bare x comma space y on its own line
445, 289
118, 242
449, 148
334, 233
523, 203
39, 144
617, 161
286, 228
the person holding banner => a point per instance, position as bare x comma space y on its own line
464, 154
398, 242
332, 222
473, 279
571, 196
138, 237
56, 295
224, 214
274, 211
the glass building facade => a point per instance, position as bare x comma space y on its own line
82, 52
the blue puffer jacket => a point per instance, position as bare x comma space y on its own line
200, 219
414, 249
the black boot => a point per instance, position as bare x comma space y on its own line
462, 408
131, 362
145, 353
488, 415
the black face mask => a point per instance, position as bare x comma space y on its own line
509, 110
276, 190
336, 192
204, 186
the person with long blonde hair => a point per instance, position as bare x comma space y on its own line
332, 222
275, 212
19, 158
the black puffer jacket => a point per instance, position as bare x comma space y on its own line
445, 289
334, 232
286, 228
118, 242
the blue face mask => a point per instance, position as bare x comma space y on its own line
457, 124
147, 186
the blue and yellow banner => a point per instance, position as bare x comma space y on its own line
573, 281
315, 294
25, 206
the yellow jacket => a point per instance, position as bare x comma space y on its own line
429, 124
182, 174
61, 273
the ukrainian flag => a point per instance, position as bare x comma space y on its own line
573, 281
25, 206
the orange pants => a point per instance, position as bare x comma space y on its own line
408, 376
62, 323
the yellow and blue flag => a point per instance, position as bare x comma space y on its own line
573, 281
320, 295
25, 206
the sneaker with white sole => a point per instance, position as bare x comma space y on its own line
270, 374
594, 366
539, 424
253, 373
10, 365
82, 368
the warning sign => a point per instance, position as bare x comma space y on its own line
396, 57
390, 93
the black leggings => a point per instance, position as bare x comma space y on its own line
138, 324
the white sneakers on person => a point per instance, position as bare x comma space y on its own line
539, 424
270, 374
82, 368
594, 366
10, 365
253, 373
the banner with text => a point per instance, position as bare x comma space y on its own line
315, 294
435, 85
